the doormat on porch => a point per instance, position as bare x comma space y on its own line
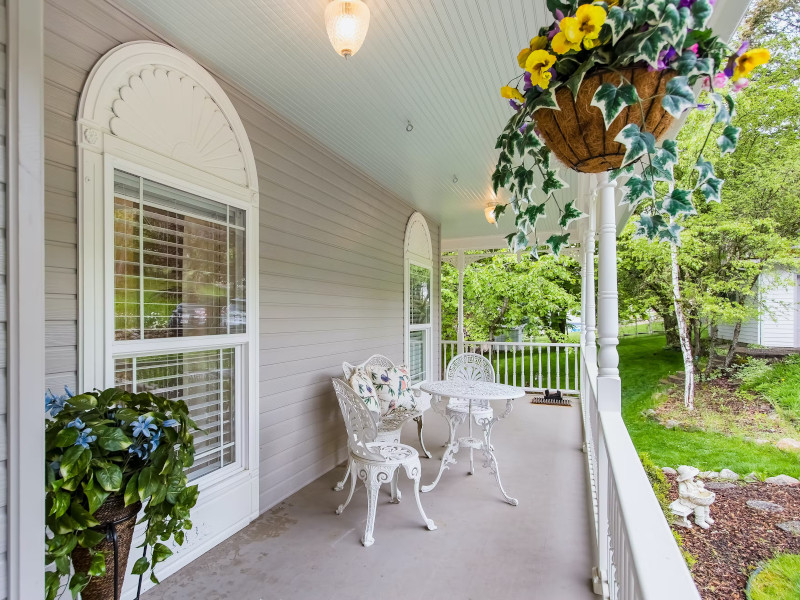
552, 398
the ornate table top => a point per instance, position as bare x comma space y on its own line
472, 390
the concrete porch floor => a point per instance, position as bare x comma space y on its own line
483, 548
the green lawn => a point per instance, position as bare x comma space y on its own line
778, 580
643, 362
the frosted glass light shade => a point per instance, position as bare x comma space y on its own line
347, 22
489, 212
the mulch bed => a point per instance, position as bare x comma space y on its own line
740, 538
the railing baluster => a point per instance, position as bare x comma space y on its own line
540, 367
505, 355
548, 368
566, 363
514, 364
558, 367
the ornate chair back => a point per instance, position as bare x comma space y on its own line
376, 360
360, 424
470, 367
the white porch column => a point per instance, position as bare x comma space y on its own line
461, 266
608, 382
590, 338
25, 385
607, 294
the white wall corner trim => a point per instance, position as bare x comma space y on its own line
25, 226
153, 111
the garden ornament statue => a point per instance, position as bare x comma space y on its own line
693, 497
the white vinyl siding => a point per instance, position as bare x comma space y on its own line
330, 261
778, 326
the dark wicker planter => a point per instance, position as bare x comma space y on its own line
113, 510
577, 134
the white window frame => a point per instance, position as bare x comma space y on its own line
418, 250
229, 497
243, 343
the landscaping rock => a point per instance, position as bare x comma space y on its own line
761, 441
728, 475
782, 480
649, 412
669, 471
672, 424
764, 505
751, 477
708, 474
788, 445
792, 527
720, 485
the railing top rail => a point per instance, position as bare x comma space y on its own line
498, 343
660, 569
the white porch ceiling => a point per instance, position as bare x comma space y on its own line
436, 63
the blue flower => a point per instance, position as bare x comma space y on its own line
84, 439
144, 426
55, 465
170, 423
139, 450
54, 404
68, 393
155, 441
77, 424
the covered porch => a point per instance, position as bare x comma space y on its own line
333, 189
483, 547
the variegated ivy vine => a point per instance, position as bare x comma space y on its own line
589, 36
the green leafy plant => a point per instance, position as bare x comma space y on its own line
114, 442
591, 37
659, 483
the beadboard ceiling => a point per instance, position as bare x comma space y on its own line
438, 64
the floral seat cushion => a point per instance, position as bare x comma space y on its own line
393, 386
362, 384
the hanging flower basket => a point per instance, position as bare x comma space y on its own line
600, 86
577, 133
118, 520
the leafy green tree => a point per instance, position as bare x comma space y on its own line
503, 291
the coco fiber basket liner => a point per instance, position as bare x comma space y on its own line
123, 517
577, 133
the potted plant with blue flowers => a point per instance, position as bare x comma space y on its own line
110, 456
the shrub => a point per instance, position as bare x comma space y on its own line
689, 558
659, 483
752, 371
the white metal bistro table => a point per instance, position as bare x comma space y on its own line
481, 393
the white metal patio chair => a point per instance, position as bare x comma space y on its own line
469, 367
374, 462
390, 425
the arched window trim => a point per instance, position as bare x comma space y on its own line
418, 250
219, 167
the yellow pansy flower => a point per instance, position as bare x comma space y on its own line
590, 43
561, 45
537, 43
538, 65
585, 24
749, 61
512, 93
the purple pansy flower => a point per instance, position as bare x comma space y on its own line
527, 78
514, 104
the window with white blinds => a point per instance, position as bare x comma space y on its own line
179, 273
179, 262
419, 319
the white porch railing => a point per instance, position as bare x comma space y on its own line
529, 365
637, 556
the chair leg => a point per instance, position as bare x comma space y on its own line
341, 508
373, 485
413, 471
395, 491
340, 486
419, 433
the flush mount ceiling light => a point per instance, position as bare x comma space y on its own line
489, 212
347, 22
